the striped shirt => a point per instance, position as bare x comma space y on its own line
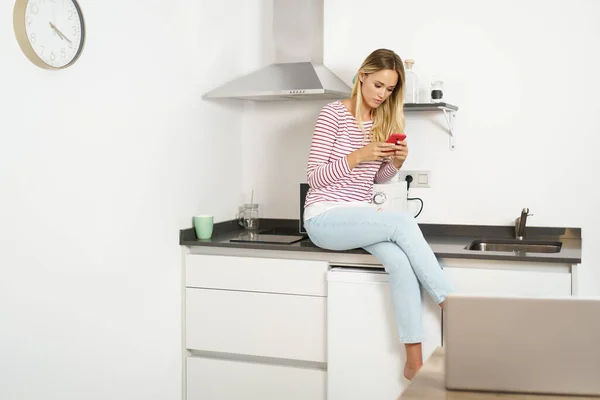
329, 177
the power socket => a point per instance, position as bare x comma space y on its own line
421, 179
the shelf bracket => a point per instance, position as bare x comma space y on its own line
450, 118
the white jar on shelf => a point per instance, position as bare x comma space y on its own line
437, 91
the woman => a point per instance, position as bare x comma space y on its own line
348, 153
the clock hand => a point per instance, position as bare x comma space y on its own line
64, 37
59, 33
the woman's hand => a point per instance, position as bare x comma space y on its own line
400, 154
376, 151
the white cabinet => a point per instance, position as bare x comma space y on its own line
215, 379
254, 328
492, 277
365, 358
267, 275
257, 324
364, 354
269, 328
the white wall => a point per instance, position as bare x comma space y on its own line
524, 75
100, 166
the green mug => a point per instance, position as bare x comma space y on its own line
203, 224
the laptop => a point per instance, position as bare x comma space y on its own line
522, 345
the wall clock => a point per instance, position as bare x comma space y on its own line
51, 33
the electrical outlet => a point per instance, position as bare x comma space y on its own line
421, 179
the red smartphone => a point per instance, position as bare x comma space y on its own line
395, 138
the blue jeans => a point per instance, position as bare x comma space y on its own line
396, 240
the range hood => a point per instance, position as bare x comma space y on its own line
298, 72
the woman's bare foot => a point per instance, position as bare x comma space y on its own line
414, 359
410, 371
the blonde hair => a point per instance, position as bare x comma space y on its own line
388, 118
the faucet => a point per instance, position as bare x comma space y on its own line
520, 224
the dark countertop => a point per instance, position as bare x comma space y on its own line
446, 241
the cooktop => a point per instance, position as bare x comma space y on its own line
273, 235
258, 238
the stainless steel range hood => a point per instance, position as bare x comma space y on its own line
298, 72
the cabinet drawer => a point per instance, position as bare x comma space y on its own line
214, 379
260, 324
256, 274
511, 283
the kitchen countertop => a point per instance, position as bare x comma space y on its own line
446, 241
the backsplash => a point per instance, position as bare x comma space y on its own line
276, 143
474, 184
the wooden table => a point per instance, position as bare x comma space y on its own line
429, 384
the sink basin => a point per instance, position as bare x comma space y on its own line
515, 246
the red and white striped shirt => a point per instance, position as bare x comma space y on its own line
329, 177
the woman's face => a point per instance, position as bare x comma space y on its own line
378, 86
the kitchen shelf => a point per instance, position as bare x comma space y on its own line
449, 111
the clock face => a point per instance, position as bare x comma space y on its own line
50, 32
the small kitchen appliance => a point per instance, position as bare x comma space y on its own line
392, 195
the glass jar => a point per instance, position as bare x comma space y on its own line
411, 84
248, 217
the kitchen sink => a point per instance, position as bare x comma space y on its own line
515, 246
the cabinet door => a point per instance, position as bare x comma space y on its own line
258, 324
255, 274
365, 359
515, 279
215, 379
